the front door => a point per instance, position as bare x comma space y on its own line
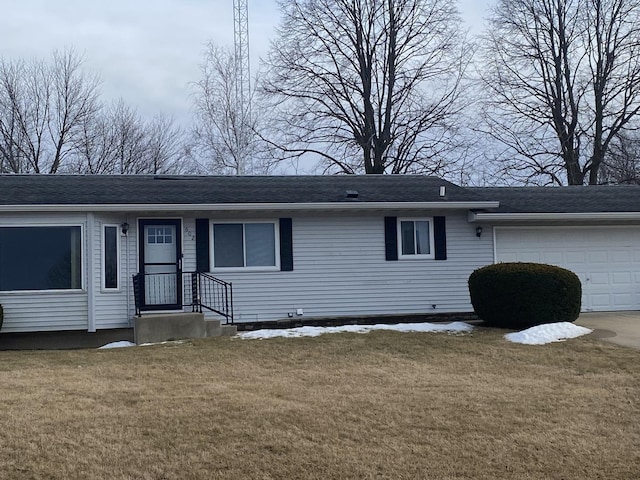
161, 263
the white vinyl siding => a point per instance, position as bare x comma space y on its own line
111, 305
340, 269
44, 311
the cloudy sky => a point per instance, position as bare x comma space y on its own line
145, 51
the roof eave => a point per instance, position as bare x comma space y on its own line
226, 207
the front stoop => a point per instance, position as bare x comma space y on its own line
178, 326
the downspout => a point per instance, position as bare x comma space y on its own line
91, 301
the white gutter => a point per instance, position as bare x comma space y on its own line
226, 207
509, 217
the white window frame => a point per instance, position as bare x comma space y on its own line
269, 268
416, 256
104, 258
83, 283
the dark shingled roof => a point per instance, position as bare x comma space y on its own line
573, 199
194, 190
168, 189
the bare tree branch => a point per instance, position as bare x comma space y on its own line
372, 85
226, 134
563, 80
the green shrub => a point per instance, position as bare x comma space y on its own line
521, 295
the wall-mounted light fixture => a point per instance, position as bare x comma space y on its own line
478, 231
125, 228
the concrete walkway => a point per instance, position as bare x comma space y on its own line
621, 328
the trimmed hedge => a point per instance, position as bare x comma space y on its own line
521, 295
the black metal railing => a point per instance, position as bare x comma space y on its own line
212, 294
159, 291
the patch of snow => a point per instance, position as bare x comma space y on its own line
547, 333
120, 344
166, 342
454, 327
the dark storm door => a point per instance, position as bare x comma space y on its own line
160, 243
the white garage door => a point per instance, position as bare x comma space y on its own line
606, 259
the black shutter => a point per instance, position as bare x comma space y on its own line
286, 245
391, 238
440, 238
202, 245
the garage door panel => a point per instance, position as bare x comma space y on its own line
600, 301
531, 257
553, 258
599, 278
620, 257
583, 276
596, 257
509, 258
621, 278
607, 260
624, 302
574, 257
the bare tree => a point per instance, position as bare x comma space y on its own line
74, 99
42, 108
12, 158
26, 101
563, 78
612, 42
166, 147
368, 85
119, 141
94, 147
225, 133
622, 164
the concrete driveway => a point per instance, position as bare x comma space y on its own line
621, 328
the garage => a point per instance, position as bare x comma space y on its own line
605, 258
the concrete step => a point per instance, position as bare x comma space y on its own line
169, 326
228, 330
212, 328
157, 328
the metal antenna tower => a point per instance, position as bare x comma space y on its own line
241, 43
243, 78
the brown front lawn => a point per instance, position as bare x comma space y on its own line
379, 405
